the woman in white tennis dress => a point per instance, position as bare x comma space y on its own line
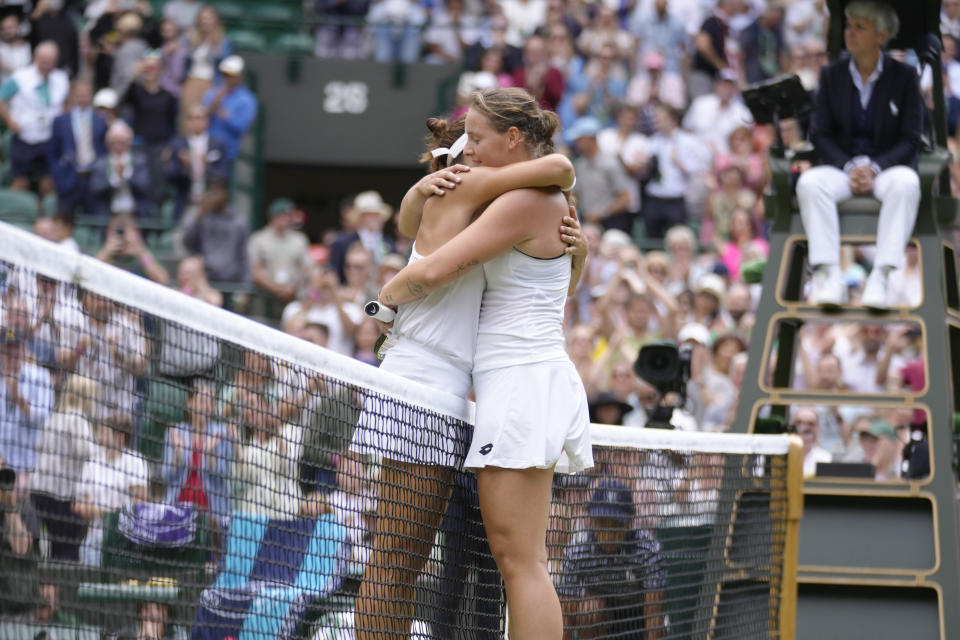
435, 338
531, 404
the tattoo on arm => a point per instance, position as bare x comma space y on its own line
416, 289
464, 266
388, 299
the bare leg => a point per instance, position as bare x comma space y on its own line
515, 504
412, 500
585, 616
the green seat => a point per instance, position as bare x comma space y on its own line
250, 41
18, 205
88, 238
164, 406
276, 13
294, 44
230, 11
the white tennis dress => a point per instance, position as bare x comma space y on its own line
435, 341
531, 404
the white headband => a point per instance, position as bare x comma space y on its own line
453, 151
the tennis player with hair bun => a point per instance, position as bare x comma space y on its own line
531, 404
434, 340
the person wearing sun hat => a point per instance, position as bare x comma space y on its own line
369, 216
279, 256
232, 105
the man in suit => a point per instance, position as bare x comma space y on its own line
194, 157
77, 141
866, 127
120, 181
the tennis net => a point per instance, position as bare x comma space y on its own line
172, 470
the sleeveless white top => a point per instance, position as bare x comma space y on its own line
445, 321
521, 316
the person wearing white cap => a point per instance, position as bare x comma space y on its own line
232, 106
105, 102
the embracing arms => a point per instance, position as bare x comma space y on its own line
484, 184
497, 230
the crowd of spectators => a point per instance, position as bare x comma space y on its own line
115, 111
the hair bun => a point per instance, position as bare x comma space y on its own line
437, 126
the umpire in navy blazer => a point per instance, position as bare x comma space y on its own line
866, 127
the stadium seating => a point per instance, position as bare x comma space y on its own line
247, 41
18, 206
294, 44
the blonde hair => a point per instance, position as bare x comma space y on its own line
515, 107
218, 33
78, 394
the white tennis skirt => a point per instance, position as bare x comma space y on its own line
411, 433
531, 416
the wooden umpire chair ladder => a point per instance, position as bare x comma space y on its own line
875, 559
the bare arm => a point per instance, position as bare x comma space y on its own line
487, 183
498, 229
432, 184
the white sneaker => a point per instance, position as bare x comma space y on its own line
826, 286
875, 291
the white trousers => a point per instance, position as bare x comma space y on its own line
819, 189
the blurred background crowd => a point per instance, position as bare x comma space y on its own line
131, 114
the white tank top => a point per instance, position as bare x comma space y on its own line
446, 320
521, 316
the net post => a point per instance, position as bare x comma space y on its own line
788, 599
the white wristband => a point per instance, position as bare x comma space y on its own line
572, 185
378, 311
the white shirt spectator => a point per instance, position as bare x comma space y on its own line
108, 483
327, 315
629, 150
713, 122
446, 35
860, 373
804, 22
817, 454
113, 351
13, 57
523, 17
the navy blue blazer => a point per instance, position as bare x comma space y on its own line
898, 114
62, 149
102, 192
179, 176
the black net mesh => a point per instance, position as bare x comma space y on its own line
164, 482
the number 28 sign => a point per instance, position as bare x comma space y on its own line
345, 97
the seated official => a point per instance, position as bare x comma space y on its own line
613, 581
866, 126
